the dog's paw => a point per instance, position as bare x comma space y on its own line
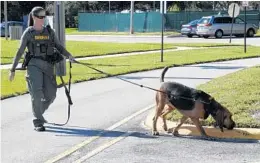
215, 125
165, 128
155, 133
170, 130
176, 133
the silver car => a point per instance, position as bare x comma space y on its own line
190, 28
219, 26
9, 23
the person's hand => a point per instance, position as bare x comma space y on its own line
11, 75
72, 59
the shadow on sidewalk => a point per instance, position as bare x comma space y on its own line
83, 132
215, 139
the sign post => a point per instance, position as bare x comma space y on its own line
59, 26
5, 13
245, 4
162, 30
233, 12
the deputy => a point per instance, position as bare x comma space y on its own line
40, 76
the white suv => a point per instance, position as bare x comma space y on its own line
219, 26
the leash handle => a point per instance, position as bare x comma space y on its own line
67, 92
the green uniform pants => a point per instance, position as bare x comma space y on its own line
42, 88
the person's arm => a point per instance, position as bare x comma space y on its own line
61, 49
19, 53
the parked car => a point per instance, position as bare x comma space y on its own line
190, 28
9, 23
219, 26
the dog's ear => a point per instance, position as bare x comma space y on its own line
220, 119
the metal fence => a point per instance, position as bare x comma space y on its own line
148, 21
119, 22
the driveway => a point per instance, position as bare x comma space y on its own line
157, 39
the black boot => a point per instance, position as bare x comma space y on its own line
39, 128
38, 125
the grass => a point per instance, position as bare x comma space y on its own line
258, 33
84, 49
135, 63
239, 92
74, 31
87, 49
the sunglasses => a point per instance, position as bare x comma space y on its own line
40, 17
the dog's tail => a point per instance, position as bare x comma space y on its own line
163, 73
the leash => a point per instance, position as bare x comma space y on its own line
140, 85
67, 92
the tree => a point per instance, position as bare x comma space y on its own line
17, 9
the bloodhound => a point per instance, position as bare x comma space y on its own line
191, 103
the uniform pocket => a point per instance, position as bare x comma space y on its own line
54, 81
29, 85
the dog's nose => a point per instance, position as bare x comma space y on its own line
231, 126
234, 124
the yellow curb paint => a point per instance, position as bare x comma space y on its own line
238, 133
101, 148
91, 139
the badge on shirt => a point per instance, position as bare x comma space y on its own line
41, 37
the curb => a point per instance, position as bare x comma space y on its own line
191, 130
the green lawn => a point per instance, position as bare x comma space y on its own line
239, 92
74, 31
135, 63
84, 49
258, 33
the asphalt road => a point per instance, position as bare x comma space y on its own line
107, 124
157, 39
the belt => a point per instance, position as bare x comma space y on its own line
40, 57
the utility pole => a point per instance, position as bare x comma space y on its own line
109, 6
245, 31
131, 18
259, 14
162, 7
5, 13
165, 7
161, 2
59, 26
